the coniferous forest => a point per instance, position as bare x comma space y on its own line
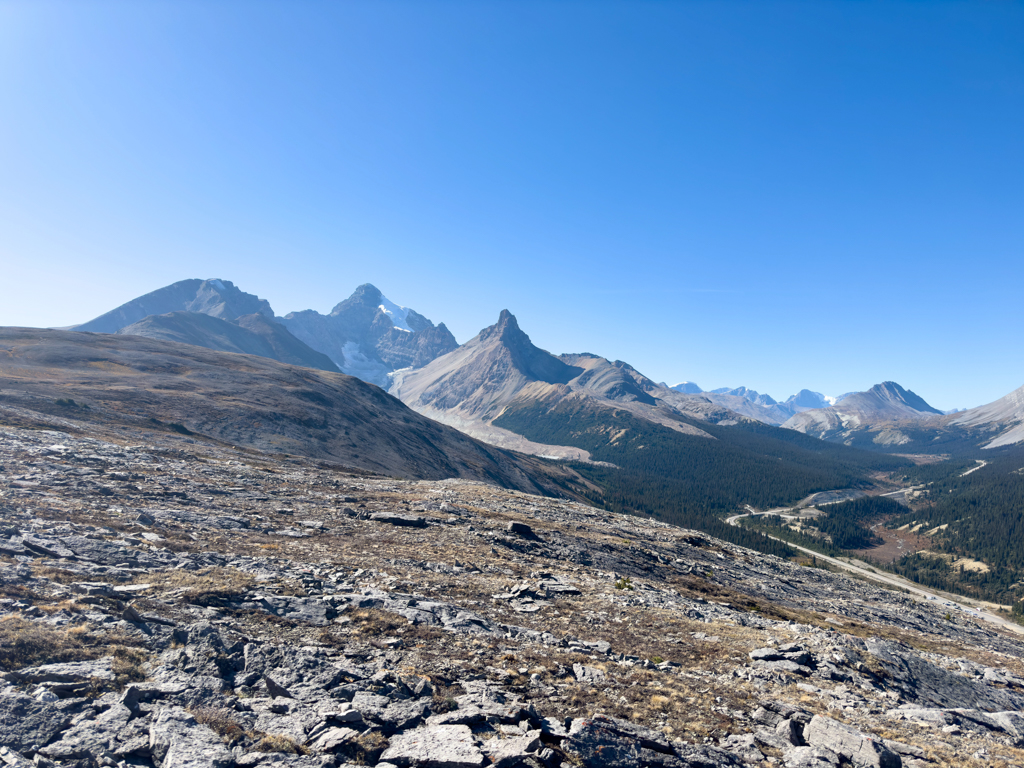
691, 480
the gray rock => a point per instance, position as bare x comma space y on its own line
46, 547
70, 672
587, 674
437, 746
91, 737
921, 682
176, 740
333, 739
300, 609
276, 689
403, 715
860, 750
597, 743
743, 746
12, 759
26, 723
784, 665
520, 529
791, 732
506, 753
809, 757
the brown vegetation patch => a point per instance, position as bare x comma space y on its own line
207, 587
221, 721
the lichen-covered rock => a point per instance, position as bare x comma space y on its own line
176, 740
435, 746
849, 743
26, 723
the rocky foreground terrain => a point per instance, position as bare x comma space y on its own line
172, 602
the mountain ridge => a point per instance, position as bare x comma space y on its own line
248, 334
250, 401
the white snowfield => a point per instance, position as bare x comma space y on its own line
398, 315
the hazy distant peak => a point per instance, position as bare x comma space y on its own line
806, 399
214, 297
687, 387
890, 391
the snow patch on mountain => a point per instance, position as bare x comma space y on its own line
399, 316
358, 364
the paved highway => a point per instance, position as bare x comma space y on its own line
973, 608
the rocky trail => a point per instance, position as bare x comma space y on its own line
175, 603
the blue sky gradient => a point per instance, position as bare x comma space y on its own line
771, 194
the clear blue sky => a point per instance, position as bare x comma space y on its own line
773, 194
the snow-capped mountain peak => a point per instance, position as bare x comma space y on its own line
399, 316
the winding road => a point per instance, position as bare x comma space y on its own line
973, 608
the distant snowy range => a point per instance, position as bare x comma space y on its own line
499, 377
761, 406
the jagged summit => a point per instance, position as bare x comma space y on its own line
367, 335
885, 402
892, 393
367, 295
530, 360
486, 372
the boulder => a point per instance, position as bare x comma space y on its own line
27, 723
598, 743
438, 746
520, 529
849, 743
587, 674
176, 740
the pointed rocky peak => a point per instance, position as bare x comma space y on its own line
366, 295
507, 330
891, 392
533, 362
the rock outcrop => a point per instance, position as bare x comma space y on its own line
170, 602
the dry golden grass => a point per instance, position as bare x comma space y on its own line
26, 643
221, 721
368, 747
208, 587
280, 743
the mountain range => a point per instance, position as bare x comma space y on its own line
472, 386
762, 407
246, 400
366, 335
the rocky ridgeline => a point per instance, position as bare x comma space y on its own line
173, 603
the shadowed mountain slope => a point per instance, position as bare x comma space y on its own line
249, 401
217, 298
249, 334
